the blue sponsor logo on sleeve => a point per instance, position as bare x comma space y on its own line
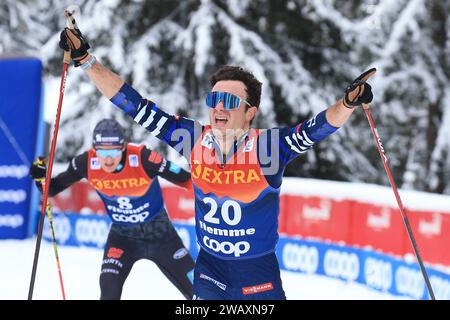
174, 168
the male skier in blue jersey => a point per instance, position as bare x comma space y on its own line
236, 170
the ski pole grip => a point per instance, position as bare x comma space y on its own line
365, 106
66, 57
71, 24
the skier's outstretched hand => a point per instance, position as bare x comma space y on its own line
359, 91
73, 40
38, 169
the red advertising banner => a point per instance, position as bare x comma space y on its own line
283, 216
318, 218
179, 202
377, 227
432, 233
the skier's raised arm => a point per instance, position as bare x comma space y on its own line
143, 111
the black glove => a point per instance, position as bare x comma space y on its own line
38, 169
72, 40
359, 91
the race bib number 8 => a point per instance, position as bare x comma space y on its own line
124, 203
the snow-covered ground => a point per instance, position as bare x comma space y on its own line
81, 266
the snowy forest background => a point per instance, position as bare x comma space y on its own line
304, 51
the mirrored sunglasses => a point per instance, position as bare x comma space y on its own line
104, 153
229, 101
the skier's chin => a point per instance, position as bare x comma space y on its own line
109, 168
220, 128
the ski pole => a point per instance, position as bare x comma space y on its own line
366, 108
66, 61
55, 247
